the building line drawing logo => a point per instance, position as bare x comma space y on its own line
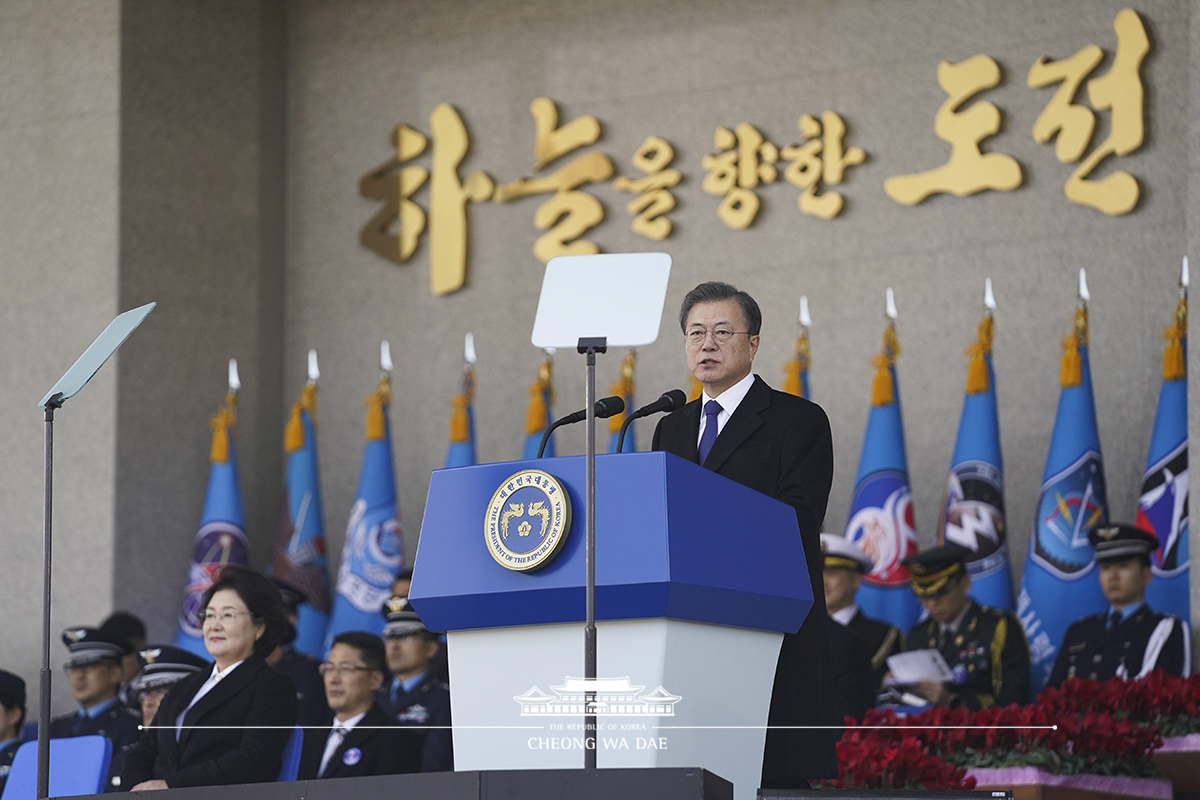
613, 697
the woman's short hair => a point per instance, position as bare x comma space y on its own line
262, 601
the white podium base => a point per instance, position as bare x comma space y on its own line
722, 677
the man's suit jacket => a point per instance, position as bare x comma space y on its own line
383, 748
242, 747
781, 446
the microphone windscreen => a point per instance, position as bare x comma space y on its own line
609, 406
677, 397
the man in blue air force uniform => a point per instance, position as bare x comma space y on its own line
415, 697
95, 670
1130, 639
985, 648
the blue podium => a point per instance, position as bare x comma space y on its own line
697, 578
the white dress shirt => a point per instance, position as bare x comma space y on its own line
729, 399
337, 735
845, 615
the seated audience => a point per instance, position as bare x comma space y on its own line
843, 567
300, 667
12, 719
133, 630
229, 724
94, 667
439, 667
985, 648
415, 697
363, 739
163, 666
1129, 639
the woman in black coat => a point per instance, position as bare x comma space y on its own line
229, 724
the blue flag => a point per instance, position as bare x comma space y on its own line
881, 513
539, 416
795, 372
300, 543
973, 508
461, 452
623, 389
221, 539
1163, 507
1060, 583
374, 550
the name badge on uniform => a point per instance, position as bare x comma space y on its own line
352, 757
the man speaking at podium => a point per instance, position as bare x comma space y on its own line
779, 445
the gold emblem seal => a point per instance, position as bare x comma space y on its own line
527, 520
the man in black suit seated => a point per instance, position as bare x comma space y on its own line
843, 567
780, 445
363, 739
1130, 639
415, 697
95, 670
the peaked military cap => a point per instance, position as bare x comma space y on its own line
1115, 542
163, 665
12, 690
89, 645
932, 569
290, 594
839, 553
402, 618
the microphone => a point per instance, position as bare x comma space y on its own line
667, 401
605, 407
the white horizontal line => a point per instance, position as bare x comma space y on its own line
859, 727
327, 727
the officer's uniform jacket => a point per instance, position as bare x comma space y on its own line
882, 640
426, 706
118, 723
988, 655
1138, 644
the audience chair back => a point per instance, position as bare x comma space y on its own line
78, 765
291, 756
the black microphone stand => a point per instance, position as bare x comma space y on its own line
589, 346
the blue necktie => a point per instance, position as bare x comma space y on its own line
1114, 619
711, 409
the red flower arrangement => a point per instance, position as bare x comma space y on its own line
1083, 727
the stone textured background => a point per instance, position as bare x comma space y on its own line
207, 155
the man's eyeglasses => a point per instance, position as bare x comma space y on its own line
345, 670
227, 616
721, 336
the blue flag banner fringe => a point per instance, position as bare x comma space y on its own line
623, 388
539, 415
1163, 506
374, 549
221, 539
300, 557
1060, 584
973, 507
881, 512
461, 452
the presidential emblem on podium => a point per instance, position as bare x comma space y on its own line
527, 520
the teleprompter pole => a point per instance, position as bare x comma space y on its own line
590, 346
43, 748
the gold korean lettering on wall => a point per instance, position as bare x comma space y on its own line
745, 160
570, 211
1120, 91
394, 232
969, 170
814, 160
653, 198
